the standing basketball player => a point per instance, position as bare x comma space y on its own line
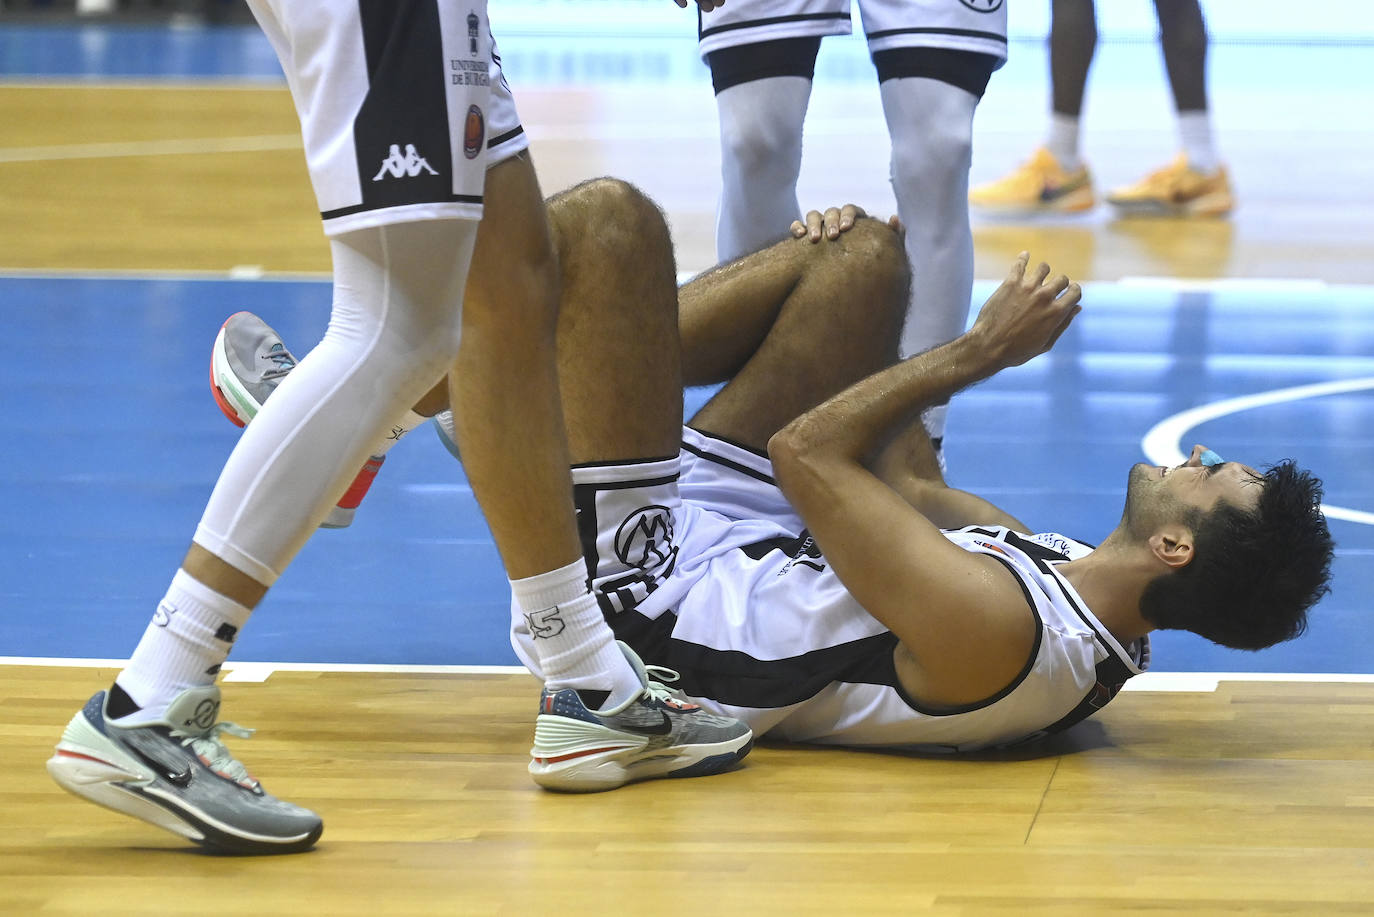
409, 132
934, 59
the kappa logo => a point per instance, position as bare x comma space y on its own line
163, 615
407, 165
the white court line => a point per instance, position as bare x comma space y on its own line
165, 147
1203, 682
1161, 444
261, 671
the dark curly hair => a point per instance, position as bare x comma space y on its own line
1254, 573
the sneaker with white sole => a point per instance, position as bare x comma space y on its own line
175, 773
651, 735
247, 364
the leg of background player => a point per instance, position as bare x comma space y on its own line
1183, 38
1055, 178
762, 91
929, 96
1072, 42
1195, 183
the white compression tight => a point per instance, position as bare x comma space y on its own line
931, 124
393, 333
761, 147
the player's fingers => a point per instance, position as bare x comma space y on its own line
1037, 276
1018, 267
832, 222
1072, 295
1057, 284
798, 229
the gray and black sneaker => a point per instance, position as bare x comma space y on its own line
175, 773
650, 735
247, 364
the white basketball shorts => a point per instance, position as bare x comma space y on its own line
960, 25
402, 105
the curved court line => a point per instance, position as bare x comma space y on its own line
1161, 442
181, 147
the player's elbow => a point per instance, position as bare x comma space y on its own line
798, 454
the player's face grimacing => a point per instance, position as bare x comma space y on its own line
1154, 491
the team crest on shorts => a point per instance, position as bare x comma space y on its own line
983, 6
645, 541
474, 132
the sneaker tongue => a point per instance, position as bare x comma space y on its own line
194, 710
635, 662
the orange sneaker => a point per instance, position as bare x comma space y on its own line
1040, 185
1177, 190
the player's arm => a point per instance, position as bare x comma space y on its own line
960, 616
909, 466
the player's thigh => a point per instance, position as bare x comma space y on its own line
839, 323
619, 360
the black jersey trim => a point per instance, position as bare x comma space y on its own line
1013, 685
770, 20
727, 463
931, 30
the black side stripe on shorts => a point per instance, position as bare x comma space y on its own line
770, 20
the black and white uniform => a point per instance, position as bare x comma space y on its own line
702, 566
402, 105
957, 25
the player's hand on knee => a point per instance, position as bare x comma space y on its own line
828, 225
1026, 315
705, 5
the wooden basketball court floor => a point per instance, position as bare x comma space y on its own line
151, 183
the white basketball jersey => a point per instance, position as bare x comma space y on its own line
714, 576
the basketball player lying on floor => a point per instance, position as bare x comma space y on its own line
794, 553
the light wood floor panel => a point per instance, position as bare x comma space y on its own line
215, 211
1168, 803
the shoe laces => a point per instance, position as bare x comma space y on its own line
211, 749
658, 675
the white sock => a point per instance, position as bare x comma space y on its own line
1195, 136
184, 646
399, 429
760, 159
576, 648
1062, 140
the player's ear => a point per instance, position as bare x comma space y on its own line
1172, 545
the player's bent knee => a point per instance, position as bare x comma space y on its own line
608, 215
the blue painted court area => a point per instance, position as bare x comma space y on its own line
111, 444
